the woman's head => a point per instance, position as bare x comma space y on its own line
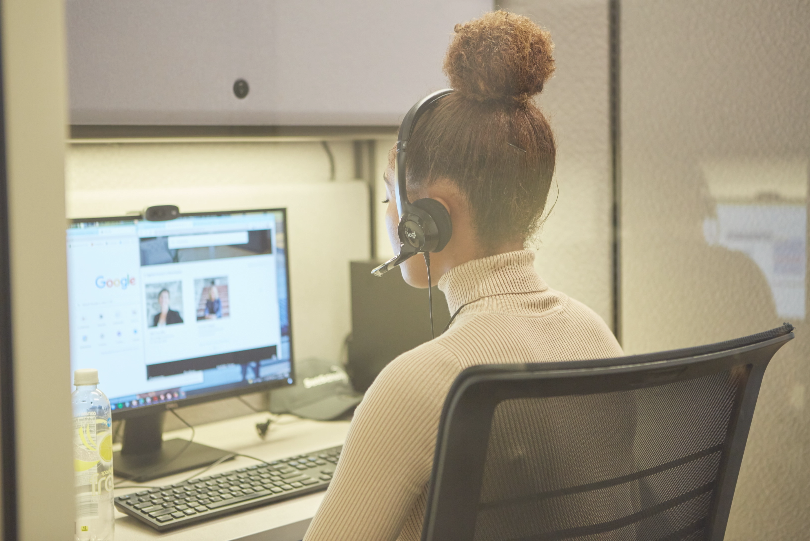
487, 140
163, 300
488, 137
213, 293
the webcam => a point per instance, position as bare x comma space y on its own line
241, 88
161, 213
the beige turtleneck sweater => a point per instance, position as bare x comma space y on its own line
507, 315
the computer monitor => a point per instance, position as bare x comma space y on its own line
178, 312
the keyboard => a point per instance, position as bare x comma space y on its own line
199, 499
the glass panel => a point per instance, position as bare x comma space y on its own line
715, 164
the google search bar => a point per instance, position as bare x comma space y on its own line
210, 239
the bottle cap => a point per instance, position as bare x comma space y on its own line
85, 376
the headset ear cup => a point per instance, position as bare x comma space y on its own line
440, 217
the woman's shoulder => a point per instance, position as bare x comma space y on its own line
424, 369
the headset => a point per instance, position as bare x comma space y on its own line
424, 225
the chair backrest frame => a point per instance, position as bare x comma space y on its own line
469, 407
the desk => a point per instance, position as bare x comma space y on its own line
283, 521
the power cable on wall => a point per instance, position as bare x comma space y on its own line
331, 160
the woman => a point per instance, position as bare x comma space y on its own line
213, 305
486, 153
166, 316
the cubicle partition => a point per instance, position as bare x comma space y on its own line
34, 358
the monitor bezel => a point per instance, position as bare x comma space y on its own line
152, 409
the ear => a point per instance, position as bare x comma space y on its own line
440, 216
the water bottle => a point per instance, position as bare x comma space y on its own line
92, 459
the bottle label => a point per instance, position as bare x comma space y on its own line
85, 459
92, 462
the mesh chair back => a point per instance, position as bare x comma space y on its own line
633, 448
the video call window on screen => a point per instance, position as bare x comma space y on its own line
176, 309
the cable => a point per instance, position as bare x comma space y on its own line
430, 294
172, 459
331, 159
248, 404
202, 471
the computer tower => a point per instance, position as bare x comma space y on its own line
389, 317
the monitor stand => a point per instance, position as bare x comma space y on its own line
145, 456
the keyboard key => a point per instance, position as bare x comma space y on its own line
223, 503
162, 512
308, 482
285, 487
201, 509
182, 507
178, 514
165, 518
143, 505
147, 510
190, 512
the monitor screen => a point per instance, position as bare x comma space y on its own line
189, 309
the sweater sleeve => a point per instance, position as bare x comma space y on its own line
388, 454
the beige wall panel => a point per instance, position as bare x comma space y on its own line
715, 145
152, 165
35, 109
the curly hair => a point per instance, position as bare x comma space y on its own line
488, 137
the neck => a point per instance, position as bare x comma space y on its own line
463, 252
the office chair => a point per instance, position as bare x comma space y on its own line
646, 447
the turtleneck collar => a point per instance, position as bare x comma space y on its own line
512, 272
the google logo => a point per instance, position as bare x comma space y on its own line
123, 283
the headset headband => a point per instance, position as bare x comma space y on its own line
405, 132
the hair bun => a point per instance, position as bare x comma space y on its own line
501, 56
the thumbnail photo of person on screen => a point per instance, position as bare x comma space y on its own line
212, 298
159, 299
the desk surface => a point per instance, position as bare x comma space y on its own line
289, 436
